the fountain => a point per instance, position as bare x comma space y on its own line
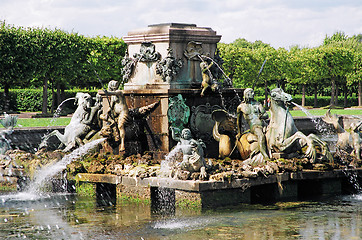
176, 136
8, 122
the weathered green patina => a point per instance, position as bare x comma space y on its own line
178, 113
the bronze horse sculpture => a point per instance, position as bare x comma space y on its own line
349, 137
76, 130
283, 136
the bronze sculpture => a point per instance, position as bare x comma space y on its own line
254, 114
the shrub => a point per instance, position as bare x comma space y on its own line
30, 100
321, 102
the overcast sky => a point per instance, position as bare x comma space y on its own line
281, 23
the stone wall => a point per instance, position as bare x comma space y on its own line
28, 139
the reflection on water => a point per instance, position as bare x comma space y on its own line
64, 216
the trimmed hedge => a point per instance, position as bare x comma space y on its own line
30, 100
321, 102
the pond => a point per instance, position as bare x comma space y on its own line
64, 216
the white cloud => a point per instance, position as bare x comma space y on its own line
281, 23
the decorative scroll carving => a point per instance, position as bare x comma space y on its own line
168, 67
193, 50
128, 65
201, 122
147, 53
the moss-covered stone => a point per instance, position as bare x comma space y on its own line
86, 189
8, 186
133, 199
186, 203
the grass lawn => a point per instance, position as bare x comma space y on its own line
320, 112
63, 121
42, 122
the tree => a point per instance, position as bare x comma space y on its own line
274, 72
240, 64
353, 44
105, 58
243, 43
338, 63
355, 76
299, 71
60, 57
15, 63
335, 38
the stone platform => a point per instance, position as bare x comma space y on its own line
287, 186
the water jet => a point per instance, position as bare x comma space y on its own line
145, 155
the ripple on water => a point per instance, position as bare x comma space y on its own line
22, 196
357, 196
175, 224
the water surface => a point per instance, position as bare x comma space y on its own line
64, 216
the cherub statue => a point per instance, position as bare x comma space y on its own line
207, 79
193, 152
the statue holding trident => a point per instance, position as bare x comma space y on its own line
254, 114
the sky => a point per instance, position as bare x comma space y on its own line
280, 23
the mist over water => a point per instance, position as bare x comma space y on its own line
320, 125
75, 217
33, 189
35, 214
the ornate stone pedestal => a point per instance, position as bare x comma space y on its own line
150, 48
163, 64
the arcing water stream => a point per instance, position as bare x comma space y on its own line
320, 125
33, 189
33, 214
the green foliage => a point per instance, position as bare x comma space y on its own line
323, 101
240, 64
328, 69
189, 204
52, 58
125, 199
30, 100
55, 59
355, 75
85, 189
106, 58
243, 43
16, 55
336, 37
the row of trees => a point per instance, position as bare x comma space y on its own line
56, 60
334, 67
